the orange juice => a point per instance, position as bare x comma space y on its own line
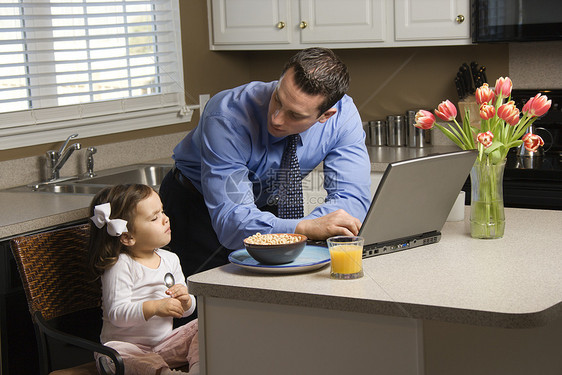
346, 259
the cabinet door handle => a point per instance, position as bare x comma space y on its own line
460, 18
303, 25
280, 25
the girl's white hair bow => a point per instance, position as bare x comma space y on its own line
115, 227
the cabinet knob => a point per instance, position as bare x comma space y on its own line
280, 25
460, 18
303, 25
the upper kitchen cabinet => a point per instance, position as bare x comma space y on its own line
335, 21
249, 22
297, 24
431, 20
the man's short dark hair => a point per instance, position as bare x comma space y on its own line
320, 71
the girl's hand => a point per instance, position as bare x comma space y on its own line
180, 293
165, 307
174, 306
170, 307
177, 290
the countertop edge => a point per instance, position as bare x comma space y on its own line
388, 308
14, 230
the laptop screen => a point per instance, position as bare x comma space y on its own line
415, 196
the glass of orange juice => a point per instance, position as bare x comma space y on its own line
346, 254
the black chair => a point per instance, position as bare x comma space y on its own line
64, 301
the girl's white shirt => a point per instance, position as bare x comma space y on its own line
125, 286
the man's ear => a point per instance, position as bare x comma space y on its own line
127, 239
326, 115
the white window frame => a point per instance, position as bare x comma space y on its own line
55, 123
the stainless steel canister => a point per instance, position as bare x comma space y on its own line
416, 137
396, 130
377, 133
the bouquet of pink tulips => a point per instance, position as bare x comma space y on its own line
501, 126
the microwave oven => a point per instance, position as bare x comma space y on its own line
516, 20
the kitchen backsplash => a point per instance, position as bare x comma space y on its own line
27, 170
536, 65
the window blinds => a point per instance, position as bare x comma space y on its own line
88, 66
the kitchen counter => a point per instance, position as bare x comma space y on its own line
28, 212
513, 282
468, 285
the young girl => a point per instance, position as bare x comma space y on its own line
127, 229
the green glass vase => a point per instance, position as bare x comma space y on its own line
487, 217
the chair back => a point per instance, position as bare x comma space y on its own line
64, 300
54, 271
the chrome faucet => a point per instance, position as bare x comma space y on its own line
56, 159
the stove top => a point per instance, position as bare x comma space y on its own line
545, 168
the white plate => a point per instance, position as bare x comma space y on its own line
312, 257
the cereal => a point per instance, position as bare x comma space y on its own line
272, 239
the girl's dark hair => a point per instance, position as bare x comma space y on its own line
104, 249
320, 71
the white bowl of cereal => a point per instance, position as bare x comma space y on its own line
275, 248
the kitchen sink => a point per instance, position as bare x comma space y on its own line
148, 174
67, 189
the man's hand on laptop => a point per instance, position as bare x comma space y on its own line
337, 223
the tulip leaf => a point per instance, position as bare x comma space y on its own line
516, 143
451, 136
495, 156
493, 147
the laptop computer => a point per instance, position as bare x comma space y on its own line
413, 200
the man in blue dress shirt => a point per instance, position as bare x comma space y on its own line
223, 187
